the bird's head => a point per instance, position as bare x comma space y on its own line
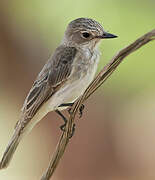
85, 32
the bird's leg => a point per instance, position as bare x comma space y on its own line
62, 127
67, 105
80, 110
70, 105
63, 117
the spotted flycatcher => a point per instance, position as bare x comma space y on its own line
63, 79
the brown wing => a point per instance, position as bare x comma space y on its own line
53, 75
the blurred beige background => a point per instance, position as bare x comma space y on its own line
115, 138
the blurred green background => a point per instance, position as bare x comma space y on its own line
115, 138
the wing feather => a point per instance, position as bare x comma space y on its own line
54, 73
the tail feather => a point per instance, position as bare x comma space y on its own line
8, 154
21, 130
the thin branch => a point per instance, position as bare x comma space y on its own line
97, 82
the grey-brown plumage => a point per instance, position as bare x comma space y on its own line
52, 76
63, 79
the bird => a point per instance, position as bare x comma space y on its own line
62, 80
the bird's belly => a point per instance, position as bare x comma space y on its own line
72, 89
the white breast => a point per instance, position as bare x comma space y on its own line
73, 89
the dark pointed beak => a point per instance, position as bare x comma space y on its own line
107, 35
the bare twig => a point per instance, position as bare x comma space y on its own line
98, 81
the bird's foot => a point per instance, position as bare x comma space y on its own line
81, 110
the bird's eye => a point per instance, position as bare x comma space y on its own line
86, 35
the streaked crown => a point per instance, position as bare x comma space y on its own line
84, 31
85, 24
